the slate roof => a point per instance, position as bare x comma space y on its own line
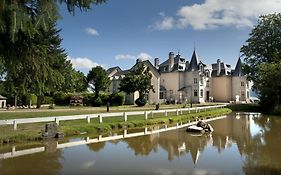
112, 68
238, 69
193, 65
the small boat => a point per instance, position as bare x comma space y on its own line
200, 127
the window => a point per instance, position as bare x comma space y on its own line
201, 93
242, 83
195, 81
162, 95
195, 92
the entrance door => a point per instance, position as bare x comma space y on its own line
2, 104
208, 95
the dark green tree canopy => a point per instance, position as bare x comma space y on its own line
262, 53
138, 79
98, 80
28, 16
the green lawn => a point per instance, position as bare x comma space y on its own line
64, 110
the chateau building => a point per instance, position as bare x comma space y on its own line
177, 80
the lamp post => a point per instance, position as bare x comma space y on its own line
107, 104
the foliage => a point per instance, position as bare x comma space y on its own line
117, 99
30, 16
262, 53
98, 80
138, 79
62, 98
97, 102
141, 101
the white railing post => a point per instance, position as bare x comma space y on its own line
57, 121
15, 125
100, 118
145, 115
125, 133
166, 113
189, 110
125, 116
88, 119
181, 111
145, 130
177, 112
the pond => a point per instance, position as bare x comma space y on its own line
242, 143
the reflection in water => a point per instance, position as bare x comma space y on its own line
46, 163
240, 144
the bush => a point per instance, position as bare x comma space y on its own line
88, 99
61, 98
104, 98
117, 99
48, 100
97, 102
141, 101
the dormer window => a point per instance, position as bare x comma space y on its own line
201, 68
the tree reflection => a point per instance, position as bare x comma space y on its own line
96, 147
263, 152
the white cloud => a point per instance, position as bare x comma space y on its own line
81, 63
125, 57
142, 56
92, 31
217, 13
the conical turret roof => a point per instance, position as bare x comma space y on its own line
238, 69
193, 65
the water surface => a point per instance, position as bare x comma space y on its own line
240, 144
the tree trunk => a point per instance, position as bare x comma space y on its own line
16, 101
39, 98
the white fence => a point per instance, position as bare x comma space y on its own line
100, 116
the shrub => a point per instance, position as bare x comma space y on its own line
141, 101
104, 98
88, 99
48, 100
97, 102
117, 99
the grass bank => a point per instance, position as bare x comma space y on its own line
245, 107
32, 132
66, 110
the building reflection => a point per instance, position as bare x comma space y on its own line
233, 129
255, 137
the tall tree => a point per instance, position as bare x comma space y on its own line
262, 53
98, 80
17, 16
138, 79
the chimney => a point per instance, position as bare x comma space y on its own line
218, 67
156, 63
139, 60
171, 61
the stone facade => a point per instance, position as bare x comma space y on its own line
185, 81
116, 74
177, 80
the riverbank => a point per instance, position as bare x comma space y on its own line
33, 132
77, 110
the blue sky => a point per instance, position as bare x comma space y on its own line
118, 32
